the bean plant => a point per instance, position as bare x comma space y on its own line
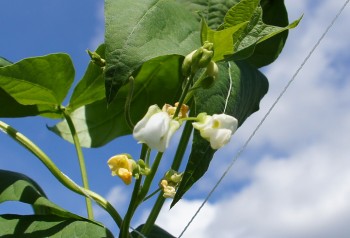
164, 66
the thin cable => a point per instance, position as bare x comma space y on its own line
266, 115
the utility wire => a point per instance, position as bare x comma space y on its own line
266, 115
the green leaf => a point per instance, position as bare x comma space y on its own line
222, 39
4, 62
158, 81
237, 92
212, 10
41, 80
156, 232
9, 107
274, 13
18, 187
137, 31
91, 87
33, 226
256, 31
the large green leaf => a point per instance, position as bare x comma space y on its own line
237, 92
41, 80
137, 31
213, 11
34, 226
18, 187
91, 87
158, 81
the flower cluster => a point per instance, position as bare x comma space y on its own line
125, 167
170, 183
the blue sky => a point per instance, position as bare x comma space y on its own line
293, 180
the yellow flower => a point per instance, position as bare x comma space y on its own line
122, 166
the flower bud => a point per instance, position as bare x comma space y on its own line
170, 183
186, 64
97, 59
197, 59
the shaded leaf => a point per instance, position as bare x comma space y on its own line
91, 87
237, 92
137, 31
18, 187
9, 107
41, 80
33, 226
158, 81
156, 232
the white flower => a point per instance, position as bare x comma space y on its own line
216, 129
155, 129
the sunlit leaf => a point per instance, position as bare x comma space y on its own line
222, 39
41, 80
137, 31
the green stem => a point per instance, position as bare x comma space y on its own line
149, 178
184, 93
138, 196
81, 161
152, 194
175, 166
195, 86
61, 177
124, 230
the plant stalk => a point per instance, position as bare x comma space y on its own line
81, 160
124, 230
